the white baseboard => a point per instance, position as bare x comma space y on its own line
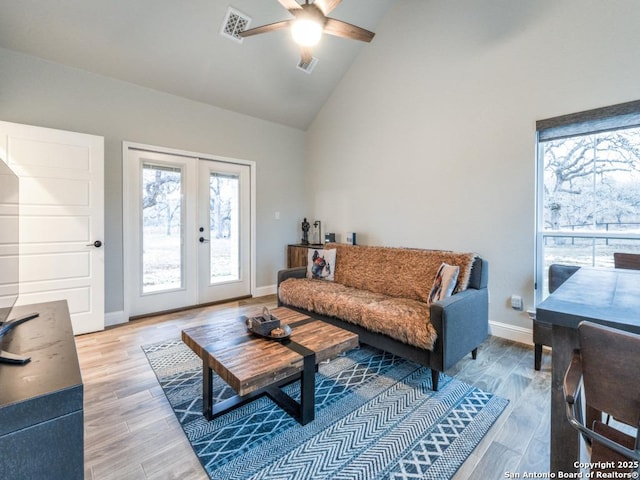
511, 332
114, 318
118, 318
263, 291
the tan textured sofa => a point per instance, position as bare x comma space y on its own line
382, 294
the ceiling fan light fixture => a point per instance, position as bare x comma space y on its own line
306, 32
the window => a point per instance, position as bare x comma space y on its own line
588, 189
224, 226
162, 228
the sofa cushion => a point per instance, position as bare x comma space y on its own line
444, 283
403, 319
398, 272
321, 263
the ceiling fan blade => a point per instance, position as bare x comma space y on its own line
290, 4
306, 55
327, 5
346, 30
265, 28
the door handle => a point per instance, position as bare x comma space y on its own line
203, 240
96, 244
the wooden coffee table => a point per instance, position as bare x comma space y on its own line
255, 366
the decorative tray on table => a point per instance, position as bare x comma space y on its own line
268, 326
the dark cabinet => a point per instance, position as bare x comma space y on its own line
41, 414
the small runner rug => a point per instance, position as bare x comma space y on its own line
376, 417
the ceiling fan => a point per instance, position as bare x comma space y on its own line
309, 22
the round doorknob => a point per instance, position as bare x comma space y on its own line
96, 244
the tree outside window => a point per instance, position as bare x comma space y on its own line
589, 199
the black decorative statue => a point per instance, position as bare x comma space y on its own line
305, 231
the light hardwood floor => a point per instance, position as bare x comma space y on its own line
132, 433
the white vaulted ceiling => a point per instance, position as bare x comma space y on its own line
176, 47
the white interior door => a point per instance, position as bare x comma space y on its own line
224, 204
189, 231
61, 218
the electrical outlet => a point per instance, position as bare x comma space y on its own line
516, 302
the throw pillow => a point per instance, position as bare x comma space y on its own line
321, 263
444, 282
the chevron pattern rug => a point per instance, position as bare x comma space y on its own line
376, 418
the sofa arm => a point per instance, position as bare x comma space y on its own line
462, 323
297, 272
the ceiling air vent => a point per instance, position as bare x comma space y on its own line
307, 67
234, 23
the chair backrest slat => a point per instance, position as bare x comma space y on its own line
610, 369
558, 274
630, 261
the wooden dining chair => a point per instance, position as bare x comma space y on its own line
604, 374
629, 261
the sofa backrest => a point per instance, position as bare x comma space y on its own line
399, 272
479, 277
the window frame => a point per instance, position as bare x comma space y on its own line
600, 120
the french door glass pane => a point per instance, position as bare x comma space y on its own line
162, 210
224, 222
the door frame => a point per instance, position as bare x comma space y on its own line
127, 202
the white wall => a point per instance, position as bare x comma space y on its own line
36, 92
429, 140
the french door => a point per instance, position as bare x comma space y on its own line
224, 213
190, 222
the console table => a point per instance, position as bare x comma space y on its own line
602, 295
41, 413
297, 254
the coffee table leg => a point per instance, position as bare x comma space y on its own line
308, 390
304, 411
207, 389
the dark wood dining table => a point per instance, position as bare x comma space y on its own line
606, 296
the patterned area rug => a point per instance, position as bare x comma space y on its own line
376, 417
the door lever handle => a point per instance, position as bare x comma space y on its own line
203, 240
96, 244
